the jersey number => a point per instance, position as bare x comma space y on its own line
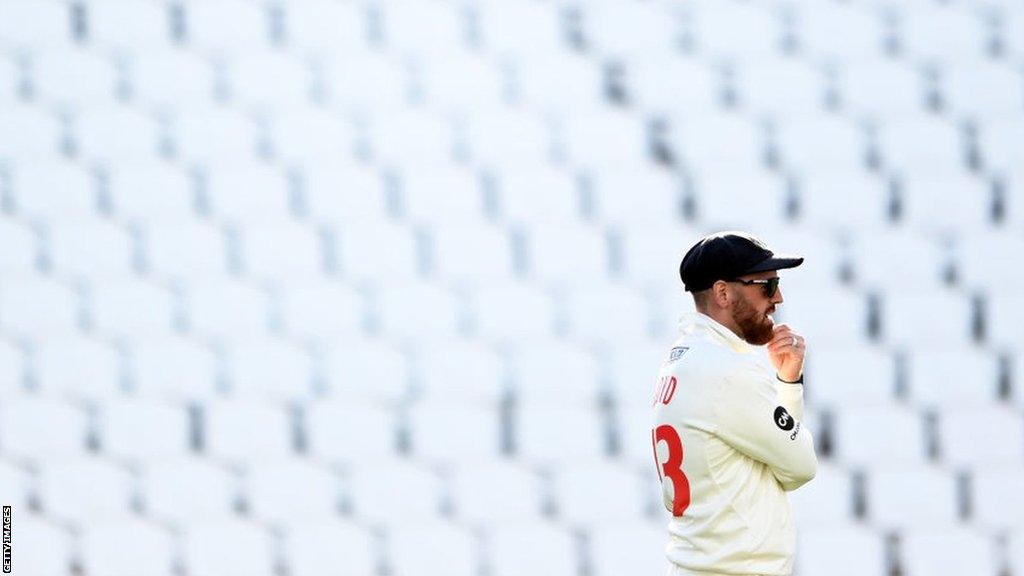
673, 468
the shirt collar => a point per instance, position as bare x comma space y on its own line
698, 321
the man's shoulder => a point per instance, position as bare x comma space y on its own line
705, 356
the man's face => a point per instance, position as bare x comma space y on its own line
751, 308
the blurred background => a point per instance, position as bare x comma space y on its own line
380, 287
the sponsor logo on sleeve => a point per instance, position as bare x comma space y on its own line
677, 353
783, 420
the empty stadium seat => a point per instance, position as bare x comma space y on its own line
432, 547
493, 492
780, 87
968, 205
579, 486
414, 136
999, 429
165, 79
623, 547
281, 252
911, 320
342, 194
511, 311
445, 432
36, 428
817, 145
882, 435
825, 317
229, 547
461, 370
366, 81
411, 27
48, 188
247, 192
509, 138
552, 549
462, 81
981, 89
212, 135
873, 383
130, 308
122, 548
999, 141
226, 309
29, 25
149, 192
349, 431
172, 368
942, 33
311, 548
520, 28
441, 196
269, 81
21, 254
827, 502
558, 82
184, 249
77, 368
437, 311
615, 30
44, 546
538, 196
597, 138
397, 257
289, 492
143, 430
881, 88
996, 501
735, 31
150, 27
269, 369
912, 497
365, 369
239, 431
110, 135
719, 190
34, 132
709, 142
393, 491
73, 78
84, 489
566, 255
535, 364
651, 254
189, 490
314, 137
899, 260
1004, 314
16, 483
303, 304
660, 83
948, 552
986, 260
88, 249
845, 550
969, 380
468, 255
540, 436
636, 196
205, 31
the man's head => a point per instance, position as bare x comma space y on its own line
734, 279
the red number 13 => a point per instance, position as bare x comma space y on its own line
673, 469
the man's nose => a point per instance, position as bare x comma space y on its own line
777, 298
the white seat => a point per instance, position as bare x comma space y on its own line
308, 135
281, 252
462, 81
226, 309
417, 28
612, 29
935, 379
394, 256
548, 433
824, 256
831, 200
411, 136
143, 430
987, 260
185, 249
552, 549
270, 369
521, 28
349, 431
205, 30
36, 25
248, 192
496, 492
41, 544
239, 432
719, 191
150, 27
980, 88
316, 548
38, 309
127, 547
996, 499
735, 31
15, 485
826, 502
536, 363
88, 249
344, 195
367, 369
375, 487
651, 254
628, 548
437, 438
76, 78
441, 195
632, 370
967, 202
559, 82
185, 491
129, 308
303, 304
292, 491
12, 370
33, 132
214, 135
1000, 141
517, 310
109, 134
839, 30
84, 489
948, 552
921, 142
437, 311
839, 317
1005, 314
911, 497
898, 260
819, 145
366, 81
881, 88
77, 368
538, 196
461, 370
637, 197
432, 548
883, 435
848, 550
590, 321
910, 320
662, 83
1004, 425
150, 192
872, 384
600, 136
943, 33
472, 254
634, 424
227, 547
268, 81
578, 485
708, 141
51, 189
781, 87
567, 256
325, 26
172, 368
9, 81
508, 138
163, 79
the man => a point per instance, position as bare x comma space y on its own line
728, 437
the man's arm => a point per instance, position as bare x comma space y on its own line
761, 419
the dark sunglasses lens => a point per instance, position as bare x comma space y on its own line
771, 286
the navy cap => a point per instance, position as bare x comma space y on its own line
727, 255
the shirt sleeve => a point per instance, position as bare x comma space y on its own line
763, 420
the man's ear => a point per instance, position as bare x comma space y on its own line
720, 292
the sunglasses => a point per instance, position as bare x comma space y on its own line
771, 285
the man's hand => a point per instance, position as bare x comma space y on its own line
786, 351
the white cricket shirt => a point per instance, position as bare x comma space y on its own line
729, 444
